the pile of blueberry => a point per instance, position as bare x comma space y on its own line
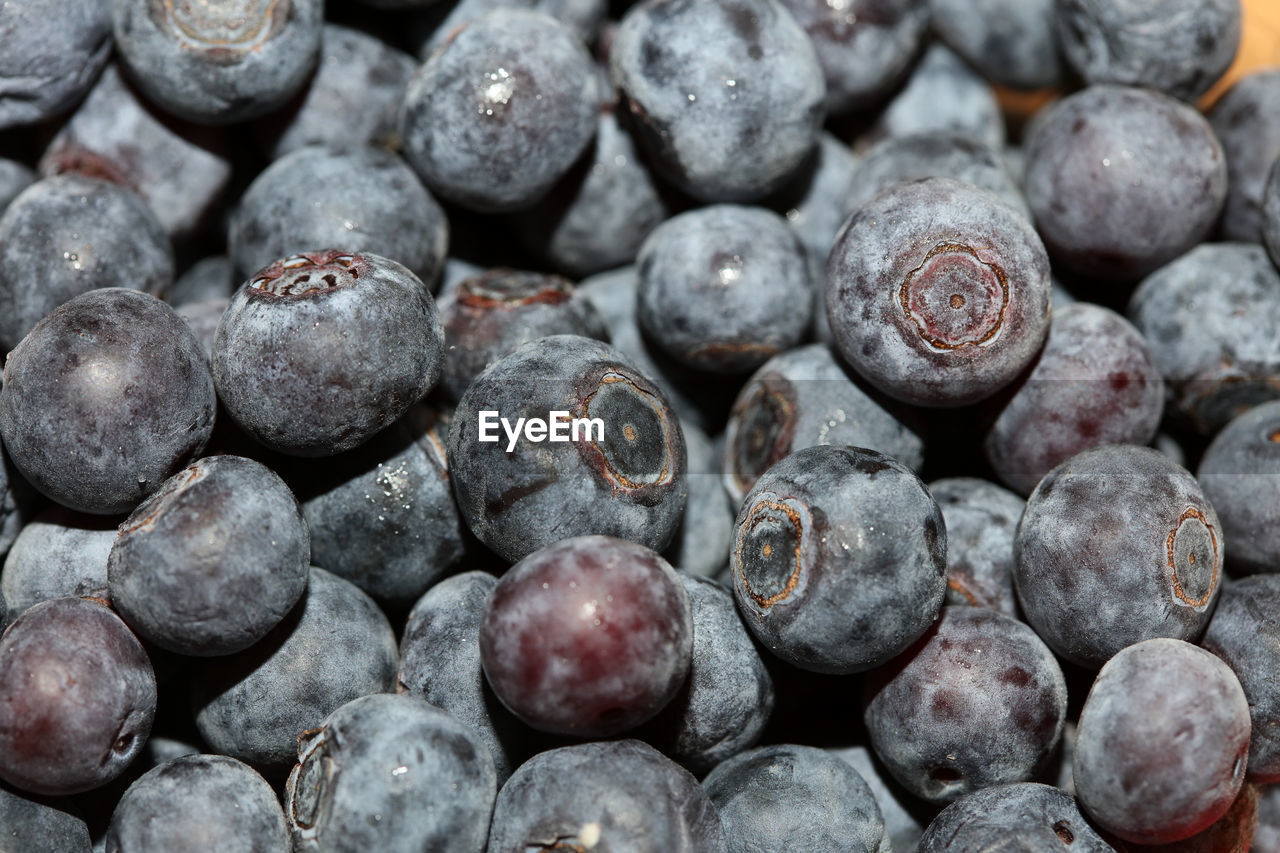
672, 426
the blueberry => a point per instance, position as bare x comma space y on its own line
938, 292
1022, 816
104, 399
333, 647
1094, 383
501, 111
195, 801
54, 50
1214, 352
1180, 47
361, 199
31, 826
67, 235
724, 288
804, 398
865, 47
213, 277
390, 773
202, 318
1117, 545
181, 171
583, 17
980, 701
621, 796
1122, 180
629, 483
1238, 473
17, 504
1245, 633
77, 697
491, 315
58, 554
320, 351
981, 519
1174, 717
1247, 122
701, 544
903, 826
14, 178
815, 201
727, 95
1013, 42
795, 798
839, 561
218, 64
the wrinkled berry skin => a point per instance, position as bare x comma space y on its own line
1239, 474
590, 636
795, 798
501, 111
1245, 632
58, 554
1117, 545
839, 561
724, 288
1180, 48
1173, 716
493, 314
193, 802
362, 200
1217, 358
107, 396
1123, 180
943, 95
218, 64
390, 773
320, 351
1094, 383
981, 519
182, 595
624, 794
632, 484
32, 825
67, 235
1247, 122
803, 398
54, 50
77, 697
180, 171
727, 95
938, 292
980, 701
333, 647
1013, 42
1022, 816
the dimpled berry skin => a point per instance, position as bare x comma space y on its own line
67, 235
1094, 383
32, 825
727, 95
320, 351
390, 773
197, 802
58, 554
54, 50
1245, 633
1239, 474
724, 288
333, 647
1025, 816
590, 636
980, 701
616, 796
1217, 358
363, 199
803, 398
631, 483
489, 316
1010, 41
795, 798
1247, 121
181, 594
1123, 180
218, 63
1180, 47
501, 111
1162, 744
981, 519
77, 697
839, 561
938, 292
108, 395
